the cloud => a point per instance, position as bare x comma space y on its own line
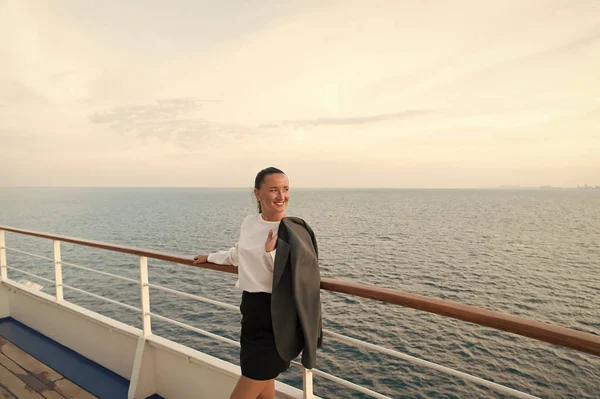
174, 120
169, 109
346, 81
568, 47
12, 92
577, 44
360, 120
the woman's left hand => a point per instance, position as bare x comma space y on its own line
271, 242
200, 259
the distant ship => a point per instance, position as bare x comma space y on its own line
586, 187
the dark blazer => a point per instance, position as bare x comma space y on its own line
296, 296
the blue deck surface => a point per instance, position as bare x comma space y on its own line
89, 375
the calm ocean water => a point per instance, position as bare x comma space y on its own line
532, 253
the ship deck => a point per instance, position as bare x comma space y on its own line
23, 376
98, 354
33, 366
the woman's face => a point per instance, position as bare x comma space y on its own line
274, 193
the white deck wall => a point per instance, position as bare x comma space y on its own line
172, 370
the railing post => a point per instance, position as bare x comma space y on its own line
147, 331
307, 378
3, 274
145, 291
58, 272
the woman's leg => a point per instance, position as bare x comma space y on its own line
269, 391
247, 388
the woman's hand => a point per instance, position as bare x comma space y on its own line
271, 242
200, 259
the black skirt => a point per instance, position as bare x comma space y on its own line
258, 356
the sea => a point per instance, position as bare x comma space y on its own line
533, 253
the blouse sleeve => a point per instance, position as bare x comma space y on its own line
270, 256
228, 257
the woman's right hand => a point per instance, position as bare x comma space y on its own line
200, 259
271, 242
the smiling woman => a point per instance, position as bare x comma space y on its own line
254, 255
272, 192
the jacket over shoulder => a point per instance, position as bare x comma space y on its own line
296, 294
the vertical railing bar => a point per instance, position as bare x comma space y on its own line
145, 297
146, 329
307, 383
58, 272
3, 272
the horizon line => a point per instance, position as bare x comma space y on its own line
500, 187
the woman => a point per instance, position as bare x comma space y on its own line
254, 255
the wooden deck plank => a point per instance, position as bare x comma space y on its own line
14, 385
29, 376
70, 390
28, 362
4, 394
52, 395
41, 387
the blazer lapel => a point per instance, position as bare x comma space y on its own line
281, 258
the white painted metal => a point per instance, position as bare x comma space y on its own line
102, 298
31, 284
344, 338
339, 380
145, 291
377, 348
199, 375
4, 302
195, 329
72, 309
58, 272
131, 280
30, 274
173, 371
196, 297
307, 383
296, 364
137, 366
99, 338
3, 272
145, 333
78, 290
350, 385
431, 365
167, 368
146, 328
30, 254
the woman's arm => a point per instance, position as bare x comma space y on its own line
228, 257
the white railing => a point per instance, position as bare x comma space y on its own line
147, 316
3, 273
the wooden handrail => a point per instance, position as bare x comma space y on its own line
540, 331
185, 260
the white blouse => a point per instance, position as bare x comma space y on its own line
255, 265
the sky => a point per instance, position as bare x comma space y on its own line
336, 93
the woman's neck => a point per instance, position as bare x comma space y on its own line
273, 217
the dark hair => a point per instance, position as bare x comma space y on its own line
260, 179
